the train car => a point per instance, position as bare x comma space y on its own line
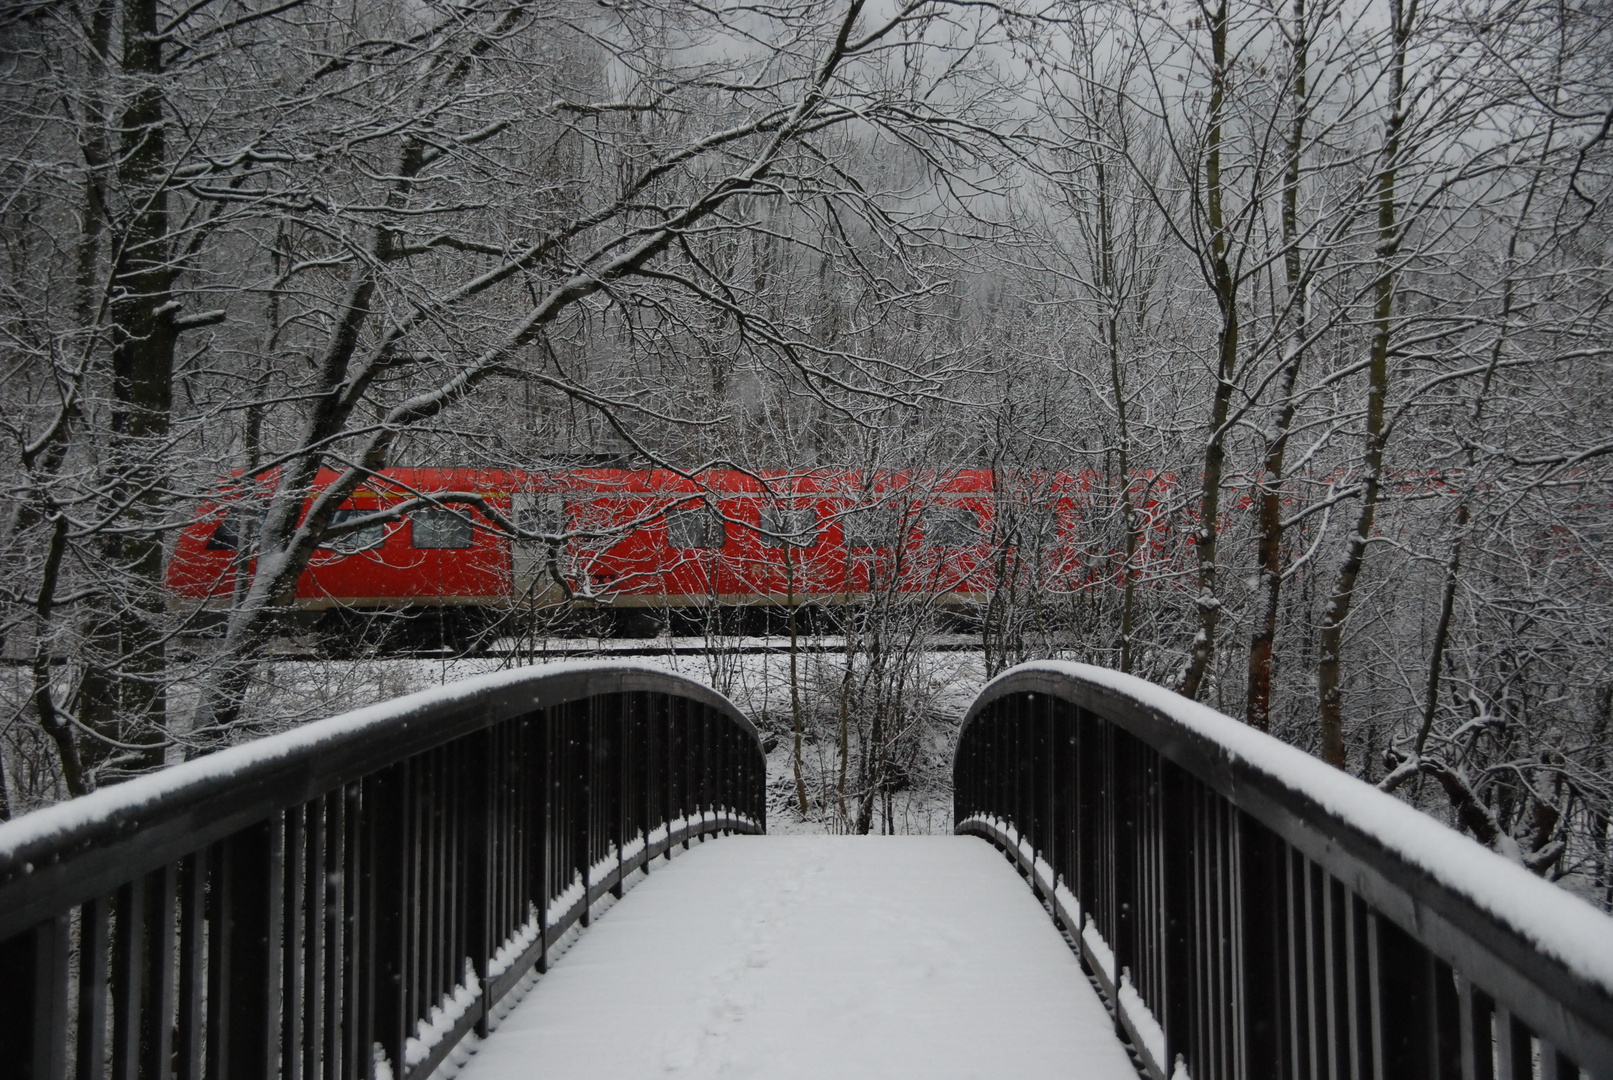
448, 556
627, 539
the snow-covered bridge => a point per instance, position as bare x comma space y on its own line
383, 894
814, 957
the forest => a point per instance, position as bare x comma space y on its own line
1319, 290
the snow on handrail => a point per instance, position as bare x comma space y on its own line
320, 746
1558, 923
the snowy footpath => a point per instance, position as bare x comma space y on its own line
815, 956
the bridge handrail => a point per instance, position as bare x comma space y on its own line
533, 778
1522, 957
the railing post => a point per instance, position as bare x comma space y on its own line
1359, 1007
383, 888
1512, 1050
586, 744
1265, 1018
294, 942
644, 744
705, 768
315, 958
684, 763
725, 779
1445, 1021
128, 976
1058, 772
94, 963
1417, 1009
1017, 754
480, 797
620, 817
533, 890
1179, 810
541, 772
1049, 784
1477, 1040
1125, 797
157, 1011
1093, 856
243, 1028
33, 1001
350, 1021
663, 766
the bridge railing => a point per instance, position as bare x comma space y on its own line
1252, 913
349, 899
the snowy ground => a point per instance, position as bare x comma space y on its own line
795, 956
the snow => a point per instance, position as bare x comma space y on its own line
1134, 1010
457, 1002
53, 824
1557, 923
1099, 949
1141, 1019
515, 945
444, 1015
811, 956
602, 869
568, 898
1045, 877
1066, 900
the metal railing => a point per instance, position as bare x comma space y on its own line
1252, 913
350, 899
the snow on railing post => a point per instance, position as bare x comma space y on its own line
303, 904
1252, 912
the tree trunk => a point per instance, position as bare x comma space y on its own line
50, 717
92, 145
1330, 683
1117, 385
125, 698
1225, 287
1270, 550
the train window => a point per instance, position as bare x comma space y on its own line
359, 540
441, 529
226, 537
237, 527
694, 527
796, 526
872, 527
951, 527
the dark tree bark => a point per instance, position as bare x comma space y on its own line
1225, 287
123, 694
1330, 680
1270, 552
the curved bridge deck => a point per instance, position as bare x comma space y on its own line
814, 957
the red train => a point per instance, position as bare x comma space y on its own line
653, 539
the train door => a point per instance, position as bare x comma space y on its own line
535, 511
